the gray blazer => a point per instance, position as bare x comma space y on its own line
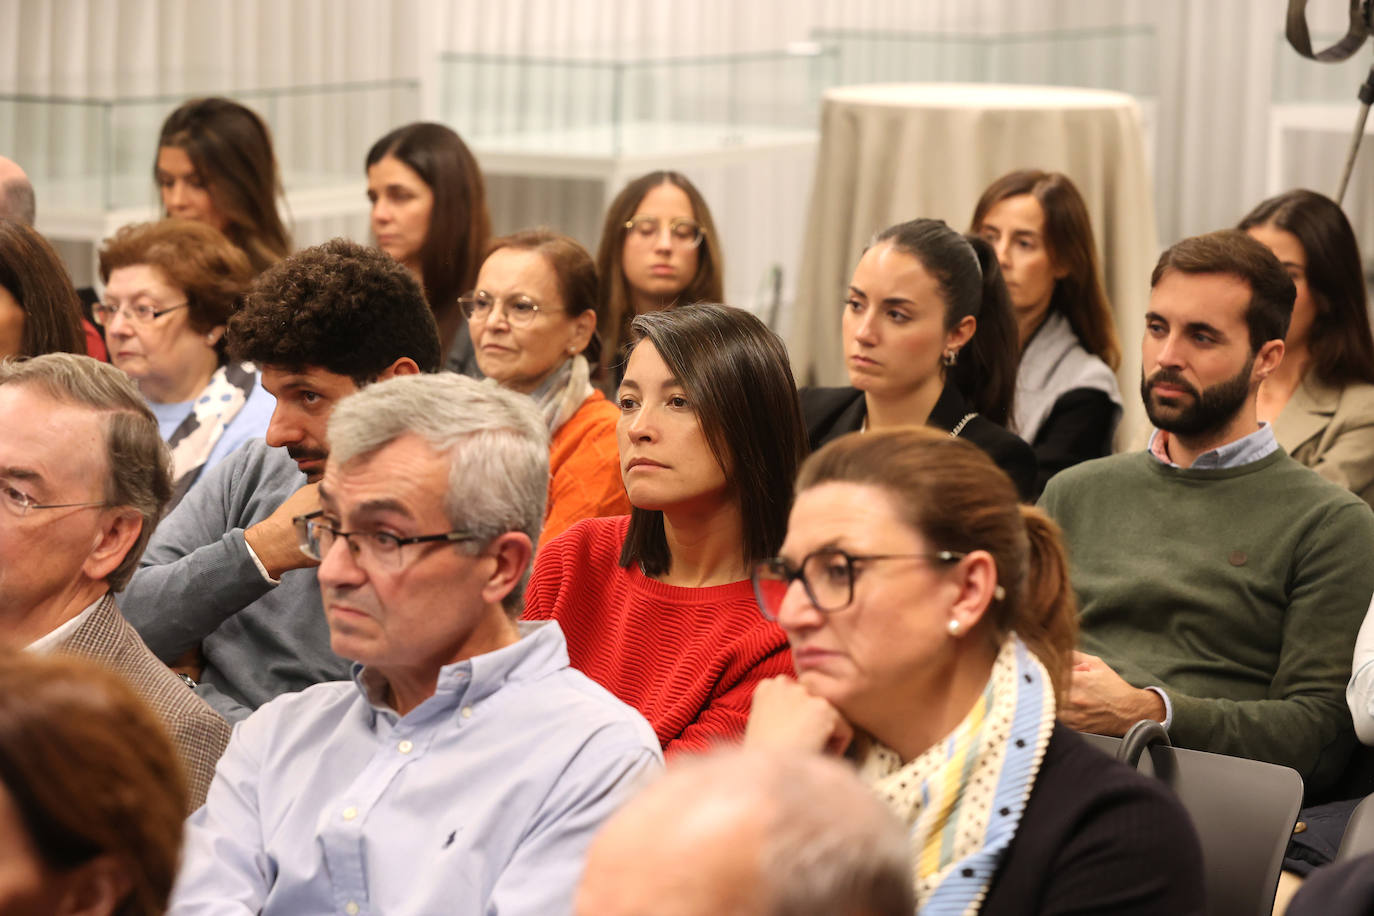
1331, 431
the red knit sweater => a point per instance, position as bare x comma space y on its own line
686, 658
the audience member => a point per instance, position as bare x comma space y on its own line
429, 212
1068, 403
932, 631
1221, 582
658, 248
39, 311
657, 606
215, 165
16, 193
1320, 399
1346, 889
83, 480
91, 797
532, 319
929, 339
170, 287
466, 767
224, 570
750, 834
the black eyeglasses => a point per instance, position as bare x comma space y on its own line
316, 537
826, 575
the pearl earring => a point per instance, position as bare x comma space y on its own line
953, 627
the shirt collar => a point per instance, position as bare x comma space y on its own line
1243, 451
53, 639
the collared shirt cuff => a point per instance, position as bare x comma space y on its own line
1168, 707
263, 569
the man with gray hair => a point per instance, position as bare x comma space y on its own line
84, 476
751, 833
466, 766
16, 193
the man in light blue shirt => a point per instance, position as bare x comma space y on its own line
466, 766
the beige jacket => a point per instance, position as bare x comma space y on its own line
1331, 430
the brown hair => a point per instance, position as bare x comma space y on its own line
193, 257
970, 280
91, 773
707, 285
572, 267
33, 274
231, 149
1340, 340
952, 493
736, 374
459, 223
1231, 251
1068, 237
138, 466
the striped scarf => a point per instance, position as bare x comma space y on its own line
963, 798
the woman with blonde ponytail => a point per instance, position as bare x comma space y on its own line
932, 626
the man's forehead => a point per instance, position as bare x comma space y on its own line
281, 378
406, 476
47, 437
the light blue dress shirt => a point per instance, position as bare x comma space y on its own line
481, 800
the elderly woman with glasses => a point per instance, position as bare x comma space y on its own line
658, 249
932, 628
170, 286
532, 319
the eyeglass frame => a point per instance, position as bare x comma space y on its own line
303, 524
19, 509
467, 304
672, 223
790, 575
153, 314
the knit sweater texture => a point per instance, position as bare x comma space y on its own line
1238, 591
687, 658
584, 469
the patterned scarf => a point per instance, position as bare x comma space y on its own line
562, 393
963, 798
213, 410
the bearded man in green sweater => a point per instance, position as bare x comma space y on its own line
1220, 582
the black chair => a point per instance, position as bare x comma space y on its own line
1358, 838
1243, 811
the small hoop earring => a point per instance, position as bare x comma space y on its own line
950, 357
953, 626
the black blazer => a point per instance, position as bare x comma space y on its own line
832, 412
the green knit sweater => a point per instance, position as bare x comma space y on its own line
1238, 591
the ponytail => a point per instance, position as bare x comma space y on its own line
986, 371
1046, 616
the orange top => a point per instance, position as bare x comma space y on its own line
584, 469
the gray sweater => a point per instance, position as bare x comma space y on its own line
197, 583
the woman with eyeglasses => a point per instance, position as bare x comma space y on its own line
658, 248
429, 212
929, 339
657, 607
170, 286
532, 319
932, 625
39, 310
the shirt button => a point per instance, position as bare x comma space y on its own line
351, 908
405, 747
349, 813
467, 712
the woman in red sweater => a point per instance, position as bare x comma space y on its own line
657, 606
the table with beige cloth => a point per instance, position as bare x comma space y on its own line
890, 153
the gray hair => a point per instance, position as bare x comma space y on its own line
138, 467
17, 201
830, 847
497, 442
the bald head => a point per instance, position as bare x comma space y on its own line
16, 193
753, 834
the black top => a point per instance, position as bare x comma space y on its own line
1346, 889
832, 412
1098, 837
1080, 427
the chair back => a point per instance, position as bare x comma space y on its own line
1243, 811
1358, 838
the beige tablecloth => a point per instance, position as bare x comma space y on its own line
891, 153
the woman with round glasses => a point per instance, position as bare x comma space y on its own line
929, 339
657, 607
170, 286
932, 627
658, 248
532, 320
429, 212
39, 310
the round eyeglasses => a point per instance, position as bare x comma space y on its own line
826, 575
520, 311
681, 231
316, 536
136, 314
